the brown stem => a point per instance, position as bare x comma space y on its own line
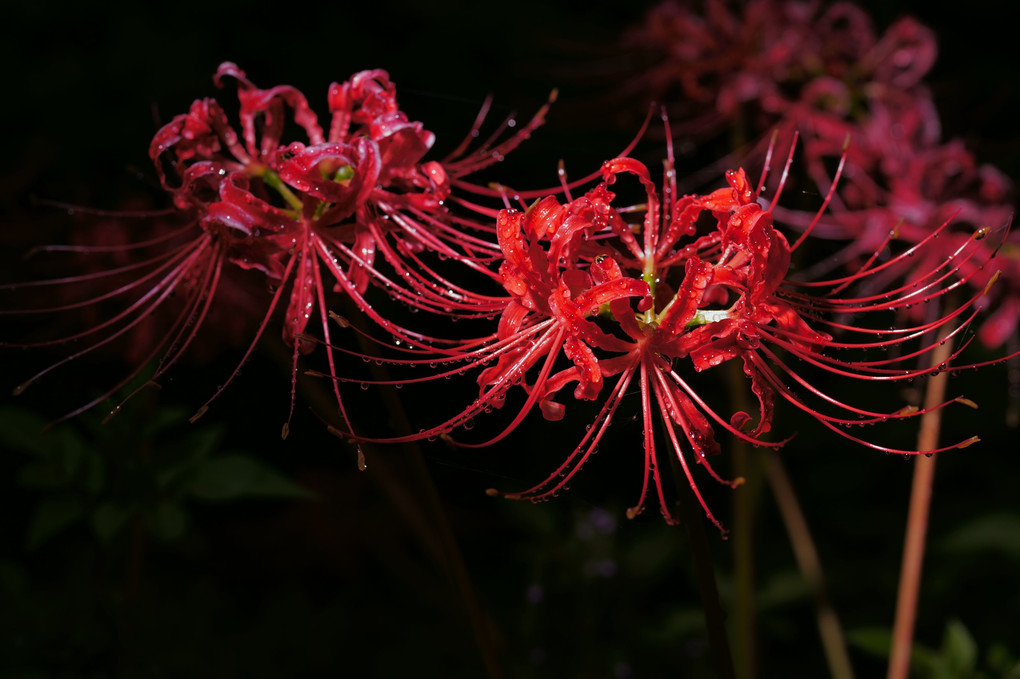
910, 570
810, 566
917, 522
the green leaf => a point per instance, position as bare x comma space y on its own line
163, 419
168, 521
201, 443
41, 475
50, 517
190, 455
876, 641
21, 429
13, 576
94, 473
991, 533
109, 519
66, 448
165, 478
1001, 662
237, 476
959, 649
783, 588
683, 623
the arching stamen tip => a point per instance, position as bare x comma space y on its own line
739, 481
362, 464
339, 320
905, 411
315, 373
201, 411
991, 281
285, 431
966, 401
492, 492
334, 431
846, 142
447, 439
969, 442
20, 388
110, 415
980, 233
633, 512
154, 384
554, 95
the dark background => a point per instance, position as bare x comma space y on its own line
353, 582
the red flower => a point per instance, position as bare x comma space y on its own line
340, 210
824, 72
606, 305
768, 60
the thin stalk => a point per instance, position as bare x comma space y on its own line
831, 632
745, 605
917, 522
715, 619
456, 568
136, 559
452, 559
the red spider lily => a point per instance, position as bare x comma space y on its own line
823, 71
709, 274
341, 210
762, 60
913, 188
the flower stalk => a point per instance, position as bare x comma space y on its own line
804, 550
715, 618
908, 593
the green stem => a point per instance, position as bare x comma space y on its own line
274, 182
745, 608
745, 602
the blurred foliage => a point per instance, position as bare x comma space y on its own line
113, 475
958, 658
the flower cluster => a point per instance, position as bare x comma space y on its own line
600, 296
749, 69
768, 61
606, 305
